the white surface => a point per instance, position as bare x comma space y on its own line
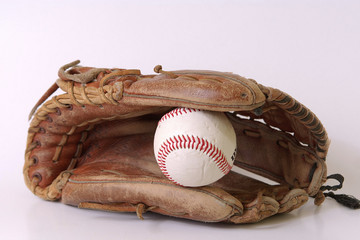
309, 49
201, 164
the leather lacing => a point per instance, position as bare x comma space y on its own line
108, 94
305, 116
141, 208
344, 199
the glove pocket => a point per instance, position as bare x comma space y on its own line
118, 175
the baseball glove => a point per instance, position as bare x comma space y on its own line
92, 147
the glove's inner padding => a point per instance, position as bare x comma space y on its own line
116, 167
273, 153
262, 150
109, 159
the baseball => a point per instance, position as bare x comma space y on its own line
194, 147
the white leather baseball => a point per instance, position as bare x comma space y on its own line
194, 147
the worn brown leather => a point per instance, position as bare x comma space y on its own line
92, 146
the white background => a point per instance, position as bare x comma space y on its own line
309, 49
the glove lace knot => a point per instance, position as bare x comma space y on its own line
344, 199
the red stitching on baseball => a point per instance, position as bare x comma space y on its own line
188, 142
177, 112
197, 146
